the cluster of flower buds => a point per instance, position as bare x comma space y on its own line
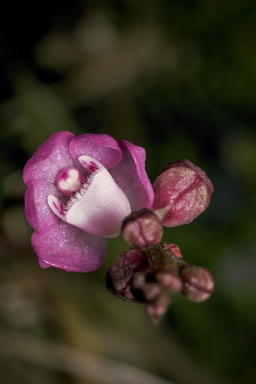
151, 271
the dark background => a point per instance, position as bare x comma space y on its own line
178, 78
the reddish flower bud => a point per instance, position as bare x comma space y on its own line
198, 283
119, 276
142, 229
182, 192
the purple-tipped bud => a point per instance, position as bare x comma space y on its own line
142, 229
182, 191
198, 283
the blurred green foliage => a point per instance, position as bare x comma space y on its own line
178, 78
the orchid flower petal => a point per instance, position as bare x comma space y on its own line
131, 177
50, 158
37, 210
69, 248
100, 147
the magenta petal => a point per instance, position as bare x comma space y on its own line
37, 211
69, 248
50, 158
131, 177
100, 147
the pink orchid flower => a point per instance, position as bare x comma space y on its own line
79, 191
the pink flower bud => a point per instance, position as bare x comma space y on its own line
169, 280
182, 192
198, 283
142, 229
151, 291
157, 309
